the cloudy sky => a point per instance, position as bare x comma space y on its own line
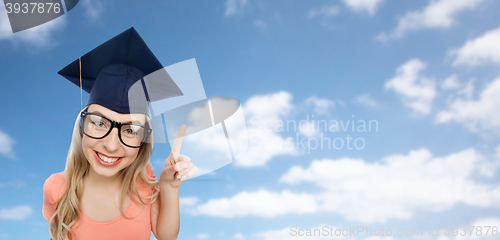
395, 105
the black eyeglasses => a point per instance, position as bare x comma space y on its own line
97, 126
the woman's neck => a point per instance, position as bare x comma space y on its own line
104, 182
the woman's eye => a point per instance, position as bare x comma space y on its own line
130, 132
99, 124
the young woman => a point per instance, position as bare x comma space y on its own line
108, 189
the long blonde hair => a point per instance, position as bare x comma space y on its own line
68, 209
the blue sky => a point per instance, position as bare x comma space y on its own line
426, 71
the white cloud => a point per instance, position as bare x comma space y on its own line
283, 233
37, 37
397, 186
202, 236
481, 50
252, 134
320, 105
261, 203
497, 152
451, 83
466, 91
239, 236
6, 144
325, 13
365, 99
309, 128
369, 6
264, 113
438, 14
93, 9
417, 91
394, 188
188, 201
274, 105
235, 6
477, 115
15, 213
260, 24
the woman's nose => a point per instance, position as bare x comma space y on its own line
112, 141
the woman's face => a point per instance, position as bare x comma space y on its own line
107, 156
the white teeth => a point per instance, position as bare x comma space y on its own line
107, 159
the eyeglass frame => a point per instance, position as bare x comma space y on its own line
114, 124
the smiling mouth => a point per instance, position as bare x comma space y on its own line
107, 159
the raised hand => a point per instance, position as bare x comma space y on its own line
177, 167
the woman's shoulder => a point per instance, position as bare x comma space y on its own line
54, 187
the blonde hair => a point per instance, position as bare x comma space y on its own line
68, 209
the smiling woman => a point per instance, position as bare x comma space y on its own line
108, 189
103, 194
103, 144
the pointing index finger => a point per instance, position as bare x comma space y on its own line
176, 148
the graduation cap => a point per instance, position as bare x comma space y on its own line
122, 74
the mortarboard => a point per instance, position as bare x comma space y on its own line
110, 73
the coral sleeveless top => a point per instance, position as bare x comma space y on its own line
137, 228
